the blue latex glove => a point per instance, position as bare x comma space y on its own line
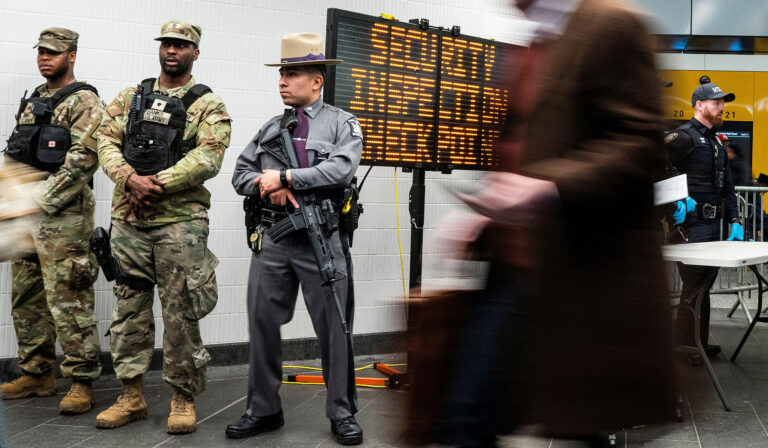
683, 208
737, 232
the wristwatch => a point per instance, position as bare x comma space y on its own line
283, 178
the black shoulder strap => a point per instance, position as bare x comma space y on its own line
149, 85
194, 94
68, 90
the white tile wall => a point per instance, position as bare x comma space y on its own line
116, 50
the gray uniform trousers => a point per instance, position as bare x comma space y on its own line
273, 283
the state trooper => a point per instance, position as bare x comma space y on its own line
328, 143
159, 142
693, 149
52, 291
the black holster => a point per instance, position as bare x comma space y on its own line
351, 210
101, 247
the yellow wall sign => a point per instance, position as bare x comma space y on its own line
678, 97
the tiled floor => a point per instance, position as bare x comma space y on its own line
37, 423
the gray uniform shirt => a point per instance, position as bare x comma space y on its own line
334, 147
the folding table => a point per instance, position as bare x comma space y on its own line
721, 254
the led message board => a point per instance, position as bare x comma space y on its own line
424, 97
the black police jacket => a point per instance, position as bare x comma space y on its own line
694, 150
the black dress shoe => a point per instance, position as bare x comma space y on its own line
713, 350
347, 431
249, 426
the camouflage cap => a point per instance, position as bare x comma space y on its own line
176, 29
57, 39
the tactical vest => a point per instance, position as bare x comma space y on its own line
34, 140
154, 134
705, 167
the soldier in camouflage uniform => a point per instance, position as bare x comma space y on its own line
160, 226
52, 293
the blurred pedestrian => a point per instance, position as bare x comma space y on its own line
575, 309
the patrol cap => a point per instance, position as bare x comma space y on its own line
710, 91
57, 39
176, 29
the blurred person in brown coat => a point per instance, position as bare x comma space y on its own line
576, 264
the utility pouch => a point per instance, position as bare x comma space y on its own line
150, 152
52, 146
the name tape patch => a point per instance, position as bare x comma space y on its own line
156, 116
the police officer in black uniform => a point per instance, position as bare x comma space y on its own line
694, 149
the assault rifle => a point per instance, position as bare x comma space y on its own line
135, 115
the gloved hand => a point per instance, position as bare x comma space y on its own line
683, 208
737, 232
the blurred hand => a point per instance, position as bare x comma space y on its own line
460, 230
512, 199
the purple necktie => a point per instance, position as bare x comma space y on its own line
300, 139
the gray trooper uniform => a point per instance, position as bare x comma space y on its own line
334, 145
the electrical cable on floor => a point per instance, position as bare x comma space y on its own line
315, 384
369, 366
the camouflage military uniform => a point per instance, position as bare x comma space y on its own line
169, 247
53, 297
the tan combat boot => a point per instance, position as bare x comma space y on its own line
79, 399
130, 406
29, 385
183, 417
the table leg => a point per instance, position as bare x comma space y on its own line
697, 339
761, 287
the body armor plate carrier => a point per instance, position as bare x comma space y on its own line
34, 140
155, 130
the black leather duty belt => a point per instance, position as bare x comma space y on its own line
709, 212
